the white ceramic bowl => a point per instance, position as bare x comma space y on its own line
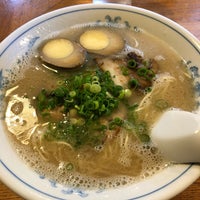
25, 40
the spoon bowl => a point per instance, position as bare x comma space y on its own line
177, 135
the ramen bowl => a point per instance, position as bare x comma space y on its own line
23, 43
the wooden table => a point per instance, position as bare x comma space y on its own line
14, 13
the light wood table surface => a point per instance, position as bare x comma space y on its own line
14, 13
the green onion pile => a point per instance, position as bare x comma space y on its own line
93, 94
84, 99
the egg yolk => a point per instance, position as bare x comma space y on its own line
94, 40
58, 48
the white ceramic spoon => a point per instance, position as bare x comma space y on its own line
177, 135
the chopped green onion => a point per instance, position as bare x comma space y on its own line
96, 105
144, 138
161, 104
127, 93
121, 94
73, 120
42, 100
72, 93
128, 125
150, 74
60, 82
60, 91
132, 116
80, 121
95, 78
77, 107
133, 83
115, 122
146, 63
86, 86
72, 112
125, 71
103, 108
95, 88
142, 131
69, 166
141, 128
142, 71
148, 89
95, 82
116, 90
132, 64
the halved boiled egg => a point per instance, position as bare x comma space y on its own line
62, 53
102, 41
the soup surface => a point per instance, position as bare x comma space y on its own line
89, 126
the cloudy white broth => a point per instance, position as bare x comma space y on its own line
81, 111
